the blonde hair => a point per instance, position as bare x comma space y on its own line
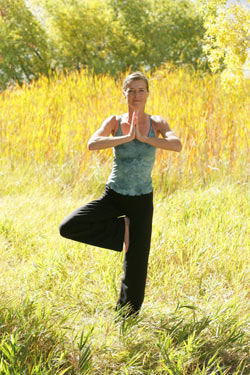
136, 76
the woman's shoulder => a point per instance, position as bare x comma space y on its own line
159, 122
119, 119
157, 119
113, 122
110, 121
116, 118
123, 117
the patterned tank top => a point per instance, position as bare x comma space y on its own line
132, 166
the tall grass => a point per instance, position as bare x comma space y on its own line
57, 297
51, 123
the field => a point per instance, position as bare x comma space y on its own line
57, 297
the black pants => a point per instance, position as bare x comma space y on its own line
100, 223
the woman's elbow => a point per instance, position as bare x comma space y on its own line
178, 146
91, 145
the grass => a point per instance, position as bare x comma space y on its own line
52, 123
57, 310
57, 297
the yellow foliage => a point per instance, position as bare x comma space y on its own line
227, 41
51, 122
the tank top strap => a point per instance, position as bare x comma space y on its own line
151, 132
119, 130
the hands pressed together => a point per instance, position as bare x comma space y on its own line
101, 138
134, 132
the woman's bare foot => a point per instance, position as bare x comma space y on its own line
126, 234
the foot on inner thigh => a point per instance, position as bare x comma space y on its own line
126, 234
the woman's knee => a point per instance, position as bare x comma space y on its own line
73, 226
64, 229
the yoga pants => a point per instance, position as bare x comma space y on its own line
101, 223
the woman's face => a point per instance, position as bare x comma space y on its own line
136, 94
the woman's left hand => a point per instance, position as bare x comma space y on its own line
138, 134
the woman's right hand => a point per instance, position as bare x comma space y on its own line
101, 138
132, 132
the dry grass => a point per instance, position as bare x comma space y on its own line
51, 123
57, 296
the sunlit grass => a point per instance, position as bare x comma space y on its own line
195, 318
57, 296
52, 122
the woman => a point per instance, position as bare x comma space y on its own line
123, 215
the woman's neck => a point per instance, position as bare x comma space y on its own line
141, 115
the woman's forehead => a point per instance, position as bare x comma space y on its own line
140, 83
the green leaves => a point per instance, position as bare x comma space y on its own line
104, 36
115, 35
33, 342
23, 44
227, 40
77, 30
157, 31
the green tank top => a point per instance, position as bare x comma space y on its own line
132, 166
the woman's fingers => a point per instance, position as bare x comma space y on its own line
132, 131
132, 126
138, 133
134, 118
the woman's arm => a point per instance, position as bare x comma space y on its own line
169, 140
101, 138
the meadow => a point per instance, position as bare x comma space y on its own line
57, 297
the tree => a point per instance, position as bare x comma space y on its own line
155, 31
227, 40
78, 29
23, 44
102, 35
114, 35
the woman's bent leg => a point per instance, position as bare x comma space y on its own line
97, 223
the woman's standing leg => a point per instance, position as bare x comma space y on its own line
140, 212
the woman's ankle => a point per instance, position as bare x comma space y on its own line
126, 234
